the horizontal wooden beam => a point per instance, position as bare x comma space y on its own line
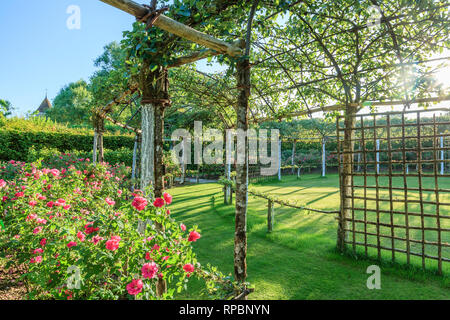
165, 23
106, 109
339, 107
196, 56
124, 126
193, 58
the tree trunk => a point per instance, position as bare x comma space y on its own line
155, 97
240, 240
346, 175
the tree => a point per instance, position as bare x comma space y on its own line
5, 108
72, 104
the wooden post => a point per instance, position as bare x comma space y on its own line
198, 174
323, 158
270, 216
279, 160
293, 155
155, 98
94, 151
378, 156
148, 146
442, 155
101, 149
359, 162
133, 169
346, 175
240, 240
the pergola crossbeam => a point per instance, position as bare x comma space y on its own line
339, 107
174, 27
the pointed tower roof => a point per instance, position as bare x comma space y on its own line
45, 105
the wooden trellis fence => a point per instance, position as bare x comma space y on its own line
395, 212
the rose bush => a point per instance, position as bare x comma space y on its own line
83, 235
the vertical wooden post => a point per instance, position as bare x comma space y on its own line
346, 173
148, 145
279, 160
159, 149
359, 161
101, 148
133, 169
442, 155
240, 240
270, 216
155, 98
378, 156
323, 158
294, 143
94, 151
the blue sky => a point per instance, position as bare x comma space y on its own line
39, 52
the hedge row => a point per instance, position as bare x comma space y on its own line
16, 144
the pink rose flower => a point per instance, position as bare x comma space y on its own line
88, 229
194, 236
167, 198
81, 236
110, 201
37, 230
113, 244
71, 244
149, 270
135, 287
139, 203
37, 259
189, 267
159, 203
38, 250
183, 227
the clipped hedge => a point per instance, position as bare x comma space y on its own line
16, 144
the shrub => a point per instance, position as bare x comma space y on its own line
80, 234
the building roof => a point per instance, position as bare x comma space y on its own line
45, 105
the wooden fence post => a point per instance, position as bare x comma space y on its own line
270, 215
323, 158
279, 160
293, 155
442, 155
378, 156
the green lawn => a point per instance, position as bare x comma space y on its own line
298, 259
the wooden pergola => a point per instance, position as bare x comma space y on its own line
156, 99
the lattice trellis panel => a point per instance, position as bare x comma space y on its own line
399, 204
